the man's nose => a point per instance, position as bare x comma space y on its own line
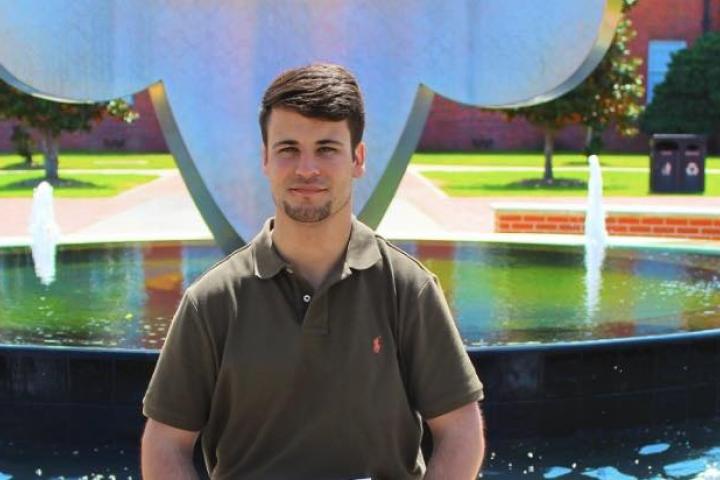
307, 166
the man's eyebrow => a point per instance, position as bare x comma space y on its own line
285, 142
327, 141
289, 142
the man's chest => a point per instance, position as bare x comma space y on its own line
286, 341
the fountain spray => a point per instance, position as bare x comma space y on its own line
44, 233
595, 236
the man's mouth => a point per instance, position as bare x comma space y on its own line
306, 190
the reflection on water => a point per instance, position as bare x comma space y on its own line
504, 295
125, 296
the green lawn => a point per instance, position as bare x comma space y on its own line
95, 160
21, 184
536, 159
479, 184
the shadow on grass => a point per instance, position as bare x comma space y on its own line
23, 166
60, 183
582, 163
558, 184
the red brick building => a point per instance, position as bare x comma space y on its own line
662, 27
143, 135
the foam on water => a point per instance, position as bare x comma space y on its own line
654, 449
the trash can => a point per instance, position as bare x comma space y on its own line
677, 163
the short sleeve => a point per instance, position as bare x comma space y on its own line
180, 390
439, 374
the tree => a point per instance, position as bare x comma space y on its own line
611, 95
50, 119
22, 141
688, 100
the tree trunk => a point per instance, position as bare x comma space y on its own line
548, 150
49, 144
706, 22
589, 147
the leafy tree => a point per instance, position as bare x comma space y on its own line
50, 119
688, 100
22, 141
611, 95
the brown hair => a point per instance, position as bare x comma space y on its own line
321, 90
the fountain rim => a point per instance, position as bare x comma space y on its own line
555, 347
78, 351
603, 343
516, 239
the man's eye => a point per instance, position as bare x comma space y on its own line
327, 150
287, 150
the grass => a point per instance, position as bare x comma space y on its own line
21, 184
94, 161
18, 181
536, 159
479, 184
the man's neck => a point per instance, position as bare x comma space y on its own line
312, 249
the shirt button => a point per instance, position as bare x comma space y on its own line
306, 298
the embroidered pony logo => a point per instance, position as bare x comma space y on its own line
377, 344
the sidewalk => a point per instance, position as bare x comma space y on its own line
160, 209
163, 210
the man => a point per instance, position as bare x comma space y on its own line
315, 351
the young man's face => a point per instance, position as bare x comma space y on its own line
310, 165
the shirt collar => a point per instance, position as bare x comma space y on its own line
362, 251
268, 261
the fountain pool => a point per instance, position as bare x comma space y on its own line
124, 296
76, 355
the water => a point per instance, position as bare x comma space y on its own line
44, 233
686, 451
125, 296
100, 462
595, 238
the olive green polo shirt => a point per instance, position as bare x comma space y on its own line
289, 383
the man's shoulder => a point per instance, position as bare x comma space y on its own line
406, 268
224, 274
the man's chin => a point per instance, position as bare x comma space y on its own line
307, 214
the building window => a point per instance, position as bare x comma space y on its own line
659, 54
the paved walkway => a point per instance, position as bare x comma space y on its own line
163, 209
160, 209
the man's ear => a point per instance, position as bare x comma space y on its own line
359, 160
263, 154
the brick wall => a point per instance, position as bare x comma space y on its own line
451, 126
695, 225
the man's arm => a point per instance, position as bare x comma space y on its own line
458, 444
167, 452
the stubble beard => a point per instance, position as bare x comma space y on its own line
311, 214
308, 214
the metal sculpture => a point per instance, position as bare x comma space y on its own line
207, 63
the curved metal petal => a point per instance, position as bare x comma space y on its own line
209, 62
